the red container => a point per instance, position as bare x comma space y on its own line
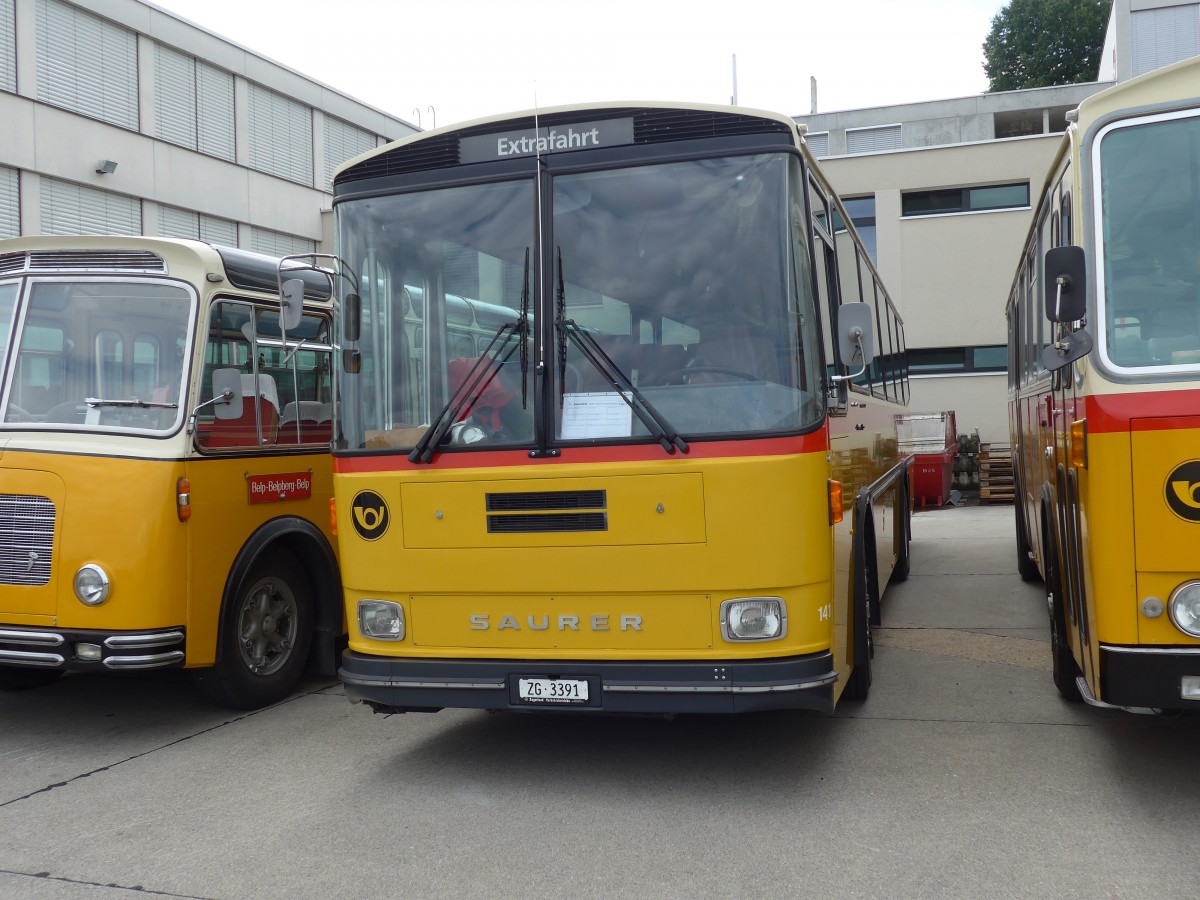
931, 474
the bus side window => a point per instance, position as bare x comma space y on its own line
229, 347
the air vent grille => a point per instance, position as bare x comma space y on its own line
26, 539
541, 512
141, 261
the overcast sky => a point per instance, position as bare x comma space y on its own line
472, 58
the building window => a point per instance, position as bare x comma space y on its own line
1162, 36
276, 243
944, 201
193, 103
873, 140
281, 136
69, 208
343, 141
958, 360
86, 64
818, 144
180, 223
861, 211
8, 48
10, 202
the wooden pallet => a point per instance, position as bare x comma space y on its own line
995, 473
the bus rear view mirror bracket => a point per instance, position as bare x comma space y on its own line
856, 345
227, 387
1066, 284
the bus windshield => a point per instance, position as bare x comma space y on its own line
682, 286
100, 355
1150, 224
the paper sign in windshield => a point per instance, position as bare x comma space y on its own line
603, 414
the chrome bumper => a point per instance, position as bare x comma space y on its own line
118, 651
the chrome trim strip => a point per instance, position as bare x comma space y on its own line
1090, 699
137, 641
31, 637
822, 681
27, 658
1155, 651
366, 681
153, 661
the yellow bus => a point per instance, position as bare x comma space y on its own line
1104, 380
626, 495
165, 475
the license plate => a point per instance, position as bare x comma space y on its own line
552, 690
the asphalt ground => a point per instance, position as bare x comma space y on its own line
963, 775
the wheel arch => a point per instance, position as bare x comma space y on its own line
319, 560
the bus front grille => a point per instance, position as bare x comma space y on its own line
26, 539
539, 512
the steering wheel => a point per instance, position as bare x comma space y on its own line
679, 376
19, 414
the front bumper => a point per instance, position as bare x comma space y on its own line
1147, 676
427, 685
44, 648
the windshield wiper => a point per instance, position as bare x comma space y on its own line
478, 377
96, 402
568, 329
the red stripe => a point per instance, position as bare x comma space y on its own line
815, 442
1156, 411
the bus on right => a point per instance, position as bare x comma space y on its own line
1104, 387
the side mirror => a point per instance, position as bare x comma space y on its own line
351, 317
291, 303
1066, 284
227, 383
856, 343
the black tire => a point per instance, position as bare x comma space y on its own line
1026, 564
858, 685
19, 678
1064, 669
901, 569
266, 631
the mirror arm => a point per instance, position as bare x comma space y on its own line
225, 397
857, 335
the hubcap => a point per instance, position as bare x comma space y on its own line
267, 626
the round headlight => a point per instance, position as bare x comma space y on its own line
1184, 607
91, 585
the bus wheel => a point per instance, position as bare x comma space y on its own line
901, 569
18, 678
1063, 666
1026, 564
858, 685
265, 636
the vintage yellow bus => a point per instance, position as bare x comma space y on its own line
165, 475
1104, 338
626, 493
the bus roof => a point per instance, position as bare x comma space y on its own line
1160, 88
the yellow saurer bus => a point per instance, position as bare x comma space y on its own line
164, 466
621, 490
1104, 333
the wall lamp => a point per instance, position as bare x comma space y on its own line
106, 167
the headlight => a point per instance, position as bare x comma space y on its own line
381, 619
753, 619
1184, 607
91, 585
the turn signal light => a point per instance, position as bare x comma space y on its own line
183, 499
835, 502
1079, 444
333, 517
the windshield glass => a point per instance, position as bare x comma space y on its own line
685, 275
673, 308
8, 302
1149, 229
439, 273
100, 355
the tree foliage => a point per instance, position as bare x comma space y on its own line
1039, 43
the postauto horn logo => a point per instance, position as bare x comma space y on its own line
1183, 491
370, 515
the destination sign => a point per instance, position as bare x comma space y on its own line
555, 139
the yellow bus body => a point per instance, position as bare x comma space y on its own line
179, 528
